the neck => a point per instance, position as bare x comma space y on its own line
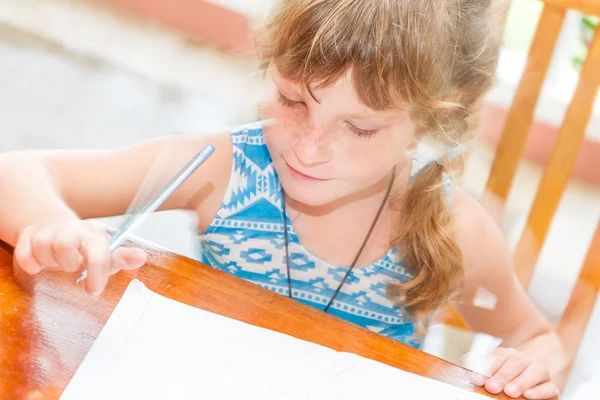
335, 231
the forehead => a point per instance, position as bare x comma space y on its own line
341, 95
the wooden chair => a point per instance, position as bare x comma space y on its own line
576, 317
558, 170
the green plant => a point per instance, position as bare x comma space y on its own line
589, 24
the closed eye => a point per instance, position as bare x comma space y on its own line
363, 133
284, 101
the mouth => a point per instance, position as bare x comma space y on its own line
302, 176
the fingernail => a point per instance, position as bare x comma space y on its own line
494, 386
96, 294
531, 393
512, 390
34, 395
478, 380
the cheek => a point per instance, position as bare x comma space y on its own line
288, 122
278, 135
368, 161
375, 157
285, 119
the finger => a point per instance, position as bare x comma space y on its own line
537, 373
480, 364
546, 390
41, 247
499, 358
66, 246
127, 258
512, 368
97, 261
97, 228
23, 256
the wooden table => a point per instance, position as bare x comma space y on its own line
48, 324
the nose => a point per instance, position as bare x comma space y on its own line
313, 146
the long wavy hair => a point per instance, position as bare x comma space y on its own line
434, 58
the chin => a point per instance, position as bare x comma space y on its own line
309, 194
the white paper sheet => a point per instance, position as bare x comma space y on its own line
155, 348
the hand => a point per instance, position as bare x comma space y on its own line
72, 246
518, 374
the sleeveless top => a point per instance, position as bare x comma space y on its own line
246, 239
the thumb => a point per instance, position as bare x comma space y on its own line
127, 258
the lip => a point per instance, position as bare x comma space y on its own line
299, 175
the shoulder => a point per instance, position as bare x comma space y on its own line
484, 248
246, 158
251, 133
249, 145
204, 190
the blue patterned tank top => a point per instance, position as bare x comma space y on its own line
246, 239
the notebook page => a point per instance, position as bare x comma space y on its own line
153, 347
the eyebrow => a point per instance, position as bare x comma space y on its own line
372, 117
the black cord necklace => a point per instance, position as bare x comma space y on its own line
287, 254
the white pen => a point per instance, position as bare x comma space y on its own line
165, 192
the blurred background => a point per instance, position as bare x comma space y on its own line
106, 73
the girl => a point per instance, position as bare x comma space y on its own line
323, 204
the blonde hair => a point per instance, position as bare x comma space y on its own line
435, 58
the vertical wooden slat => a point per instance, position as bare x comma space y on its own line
557, 173
573, 324
520, 115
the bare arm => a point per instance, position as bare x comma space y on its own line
495, 303
488, 271
47, 187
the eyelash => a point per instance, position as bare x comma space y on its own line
284, 101
361, 132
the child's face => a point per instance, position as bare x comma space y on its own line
327, 150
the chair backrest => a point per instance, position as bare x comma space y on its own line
570, 135
573, 324
558, 169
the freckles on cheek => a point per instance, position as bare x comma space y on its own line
289, 123
354, 153
291, 118
272, 111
